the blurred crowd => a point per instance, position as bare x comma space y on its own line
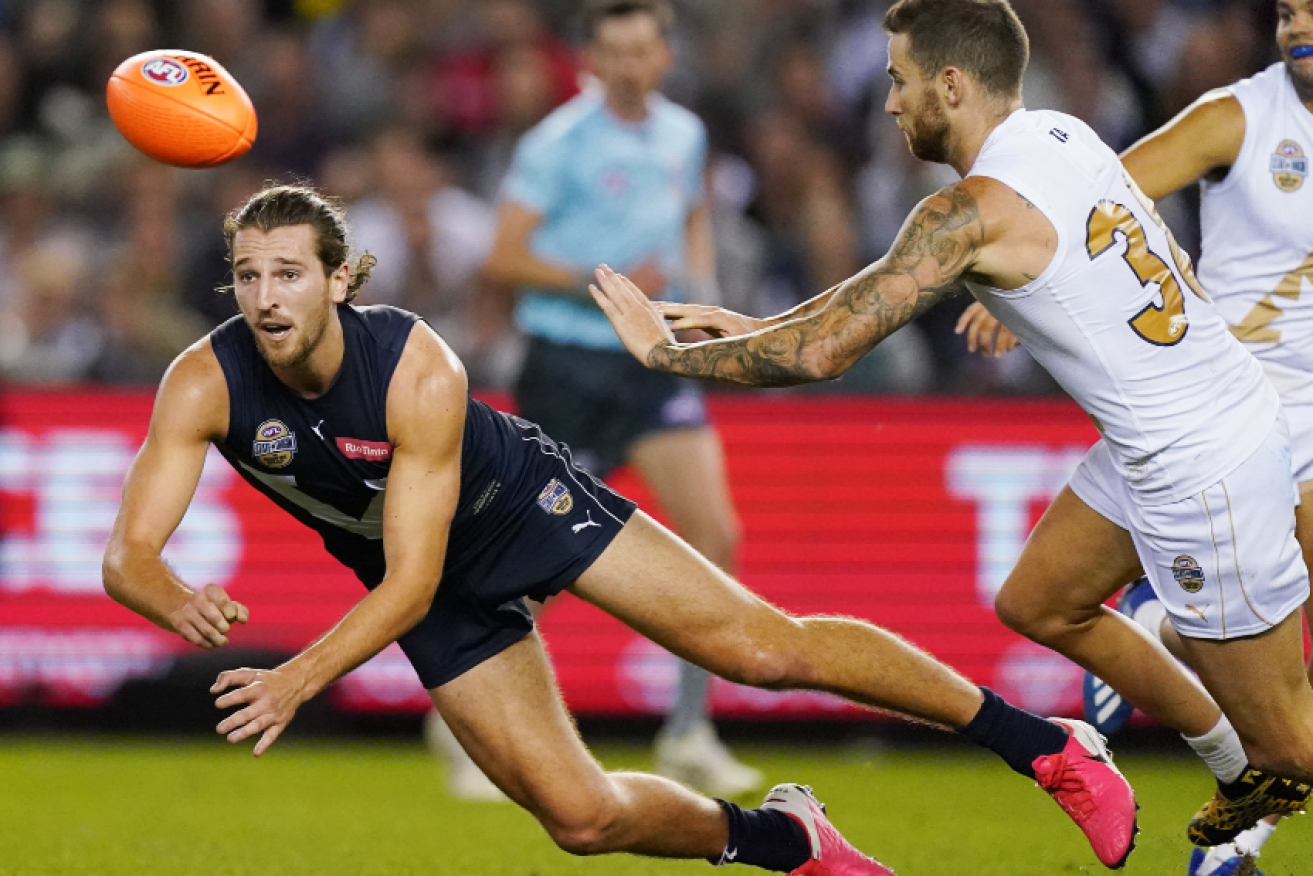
408, 110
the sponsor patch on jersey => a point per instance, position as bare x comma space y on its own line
275, 444
355, 448
1289, 166
555, 498
1188, 574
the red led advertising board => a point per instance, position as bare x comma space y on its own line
906, 512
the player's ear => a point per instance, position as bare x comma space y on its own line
952, 84
338, 281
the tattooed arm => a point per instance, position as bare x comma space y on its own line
936, 246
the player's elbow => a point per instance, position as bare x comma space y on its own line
112, 566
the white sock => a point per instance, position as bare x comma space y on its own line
1220, 748
1151, 616
1250, 841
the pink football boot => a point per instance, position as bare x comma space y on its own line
832, 855
1092, 791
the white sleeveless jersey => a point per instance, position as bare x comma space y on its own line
1118, 319
1257, 260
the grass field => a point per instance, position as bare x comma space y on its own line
107, 806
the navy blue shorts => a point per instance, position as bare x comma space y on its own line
600, 402
547, 521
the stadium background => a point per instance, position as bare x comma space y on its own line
901, 493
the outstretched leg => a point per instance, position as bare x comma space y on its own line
509, 715
685, 469
665, 590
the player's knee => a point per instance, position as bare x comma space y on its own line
586, 826
1036, 619
1019, 613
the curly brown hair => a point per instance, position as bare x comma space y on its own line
281, 205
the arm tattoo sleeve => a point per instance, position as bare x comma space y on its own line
935, 247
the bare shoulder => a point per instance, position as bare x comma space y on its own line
1214, 125
428, 389
1203, 140
1017, 240
1218, 106
193, 396
1002, 209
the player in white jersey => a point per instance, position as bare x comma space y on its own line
1247, 144
1191, 482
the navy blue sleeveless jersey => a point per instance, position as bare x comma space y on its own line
527, 520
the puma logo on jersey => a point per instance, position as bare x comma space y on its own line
580, 527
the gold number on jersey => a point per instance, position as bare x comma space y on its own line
1163, 326
1255, 328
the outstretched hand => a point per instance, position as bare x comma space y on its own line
637, 320
715, 321
985, 333
205, 618
271, 697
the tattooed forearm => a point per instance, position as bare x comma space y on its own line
937, 244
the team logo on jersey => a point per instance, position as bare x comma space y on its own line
1188, 574
555, 498
1289, 166
275, 444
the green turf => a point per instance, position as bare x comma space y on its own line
107, 807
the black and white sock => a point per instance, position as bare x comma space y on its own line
765, 838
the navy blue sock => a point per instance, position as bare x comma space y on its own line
1014, 734
765, 838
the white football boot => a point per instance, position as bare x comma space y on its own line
701, 761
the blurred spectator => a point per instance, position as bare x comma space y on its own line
292, 135
468, 85
49, 336
138, 299
808, 175
430, 238
802, 203
360, 56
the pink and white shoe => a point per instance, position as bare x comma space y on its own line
832, 855
1084, 782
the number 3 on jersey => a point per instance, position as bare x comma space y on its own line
1163, 326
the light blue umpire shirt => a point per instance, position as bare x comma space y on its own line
609, 191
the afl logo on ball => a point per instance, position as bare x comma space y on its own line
165, 71
1289, 166
275, 444
1188, 574
555, 498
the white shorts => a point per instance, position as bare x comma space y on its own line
1224, 562
1300, 418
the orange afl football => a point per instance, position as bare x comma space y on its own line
181, 108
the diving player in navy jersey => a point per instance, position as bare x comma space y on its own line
357, 422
